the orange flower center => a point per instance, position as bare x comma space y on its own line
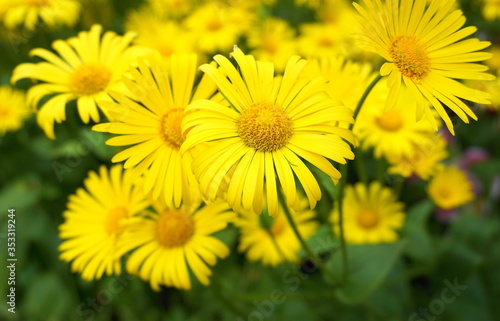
270, 45
214, 24
89, 79
264, 127
368, 218
390, 121
174, 228
279, 226
113, 219
37, 3
170, 128
410, 57
326, 42
4, 112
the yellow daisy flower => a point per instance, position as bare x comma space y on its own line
89, 69
425, 52
272, 240
13, 109
168, 37
490, 9
95, 220
337, 11
372, 214
424, 161
149, 120
273, 123
31, 13
391, 133
494, 61
171, 242
323, 40
273, 40
170, 8
450, 188
218, 28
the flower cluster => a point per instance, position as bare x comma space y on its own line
254, 138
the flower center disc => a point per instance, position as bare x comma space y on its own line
278, 227
37, 3
410, 57
367, 219
264, 127
170, 128
390, 121
175, 228
114, 217
4, 112
89, 79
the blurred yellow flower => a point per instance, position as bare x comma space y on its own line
89, 69
95, 219
32, 13
149, 119
218, 28
450, 188
491, 9
272, 240
372, 214
274, 123
273, 40
170, 8
494, 61
425, 52
169, 243
166, 36
323, 40
13, 109
391, 133
425, 158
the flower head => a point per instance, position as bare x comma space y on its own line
29, 13
148, 119
170, 242
424, 48
450, 188
272, 240
424, 160
86, 70
95, 219
273, 40
392, 133
372, 214
13, 109
217, 27
272, 125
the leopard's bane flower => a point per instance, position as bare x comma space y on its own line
424, 48
86, 69
274, 125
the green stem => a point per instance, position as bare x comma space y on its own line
363, 98
360, 168
343, 178
343, 245
307, 249
218, 290
381, 168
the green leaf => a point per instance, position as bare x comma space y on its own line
368, 265
420, 246
21, 194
